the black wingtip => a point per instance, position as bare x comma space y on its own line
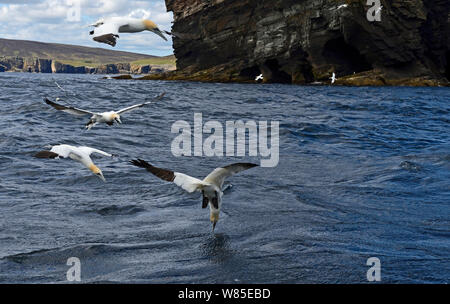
139, 163
156, 98
46, 154
246, 165
251, 165
164, 174
134, 162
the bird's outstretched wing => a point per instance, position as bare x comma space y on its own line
107, 32
188, 183
89, 151
140, 105
70, 110
218, 175
56, 152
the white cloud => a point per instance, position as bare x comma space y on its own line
46, 21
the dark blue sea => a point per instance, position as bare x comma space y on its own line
363, 172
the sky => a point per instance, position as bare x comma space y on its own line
66, 21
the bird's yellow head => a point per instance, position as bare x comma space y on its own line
152, 27
149, 25
116, 117
214, 218
97, 171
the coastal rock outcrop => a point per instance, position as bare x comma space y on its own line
57, 67
39, 65
302, 41
32, 65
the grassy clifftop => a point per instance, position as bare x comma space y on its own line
76, 55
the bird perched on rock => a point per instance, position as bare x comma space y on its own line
210, 186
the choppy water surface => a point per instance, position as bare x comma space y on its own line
363, 172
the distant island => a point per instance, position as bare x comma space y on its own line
39, 57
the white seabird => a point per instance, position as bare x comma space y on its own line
210, 186
339, 7
107, 30
107, 117
259, 77
378, 10
333, 78
79, 154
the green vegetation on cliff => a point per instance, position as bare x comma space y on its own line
75, 55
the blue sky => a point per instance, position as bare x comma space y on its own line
56, 21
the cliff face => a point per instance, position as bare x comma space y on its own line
301, 41
38, 65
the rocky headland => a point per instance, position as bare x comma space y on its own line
40, 57
305, 41
38, 65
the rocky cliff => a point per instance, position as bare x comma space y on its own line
302, 41
38, 65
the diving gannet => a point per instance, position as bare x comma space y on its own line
107, 117
79, 154
107, 30
210, 186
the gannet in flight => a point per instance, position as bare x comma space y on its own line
259, 77
210, 186
107, 30
79, 154
378, 10
339, 7
107, 117
333, 78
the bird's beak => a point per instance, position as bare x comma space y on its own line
214, 225
102, 177
118, 120
158, 32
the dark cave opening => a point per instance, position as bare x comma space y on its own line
274, 72
447, 67
250, 73
346, 57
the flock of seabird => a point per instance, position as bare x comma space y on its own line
210, 187
107, 31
